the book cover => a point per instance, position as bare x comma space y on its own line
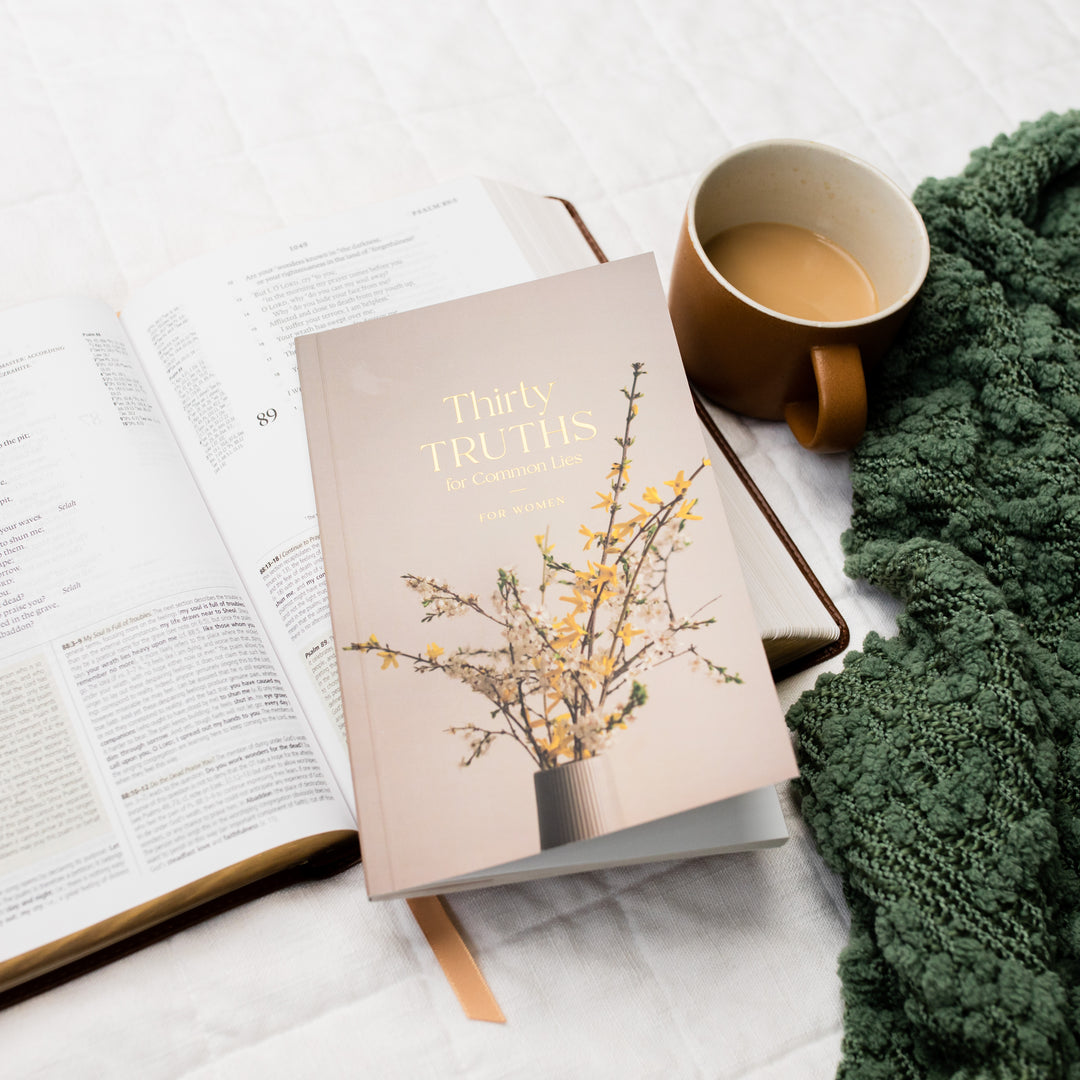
543, 635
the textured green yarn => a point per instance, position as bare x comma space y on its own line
941, 768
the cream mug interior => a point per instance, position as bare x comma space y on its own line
826, 191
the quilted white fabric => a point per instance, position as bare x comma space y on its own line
137, 133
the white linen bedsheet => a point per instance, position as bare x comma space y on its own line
138, 133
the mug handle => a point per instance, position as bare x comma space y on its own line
837, 420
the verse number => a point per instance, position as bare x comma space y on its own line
267, 417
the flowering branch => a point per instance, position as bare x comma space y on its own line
558, 681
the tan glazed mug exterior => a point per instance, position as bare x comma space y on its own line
766, 364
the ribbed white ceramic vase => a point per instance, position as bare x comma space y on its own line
576, 801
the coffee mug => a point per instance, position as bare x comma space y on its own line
820, 257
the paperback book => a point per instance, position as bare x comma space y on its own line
547, 652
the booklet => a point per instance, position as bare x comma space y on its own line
547, 651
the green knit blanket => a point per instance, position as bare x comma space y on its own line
941, 768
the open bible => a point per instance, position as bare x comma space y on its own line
170, 710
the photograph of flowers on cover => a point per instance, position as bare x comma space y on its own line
561, 684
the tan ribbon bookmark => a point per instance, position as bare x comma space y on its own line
454, 958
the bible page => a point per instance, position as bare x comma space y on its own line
148, 736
